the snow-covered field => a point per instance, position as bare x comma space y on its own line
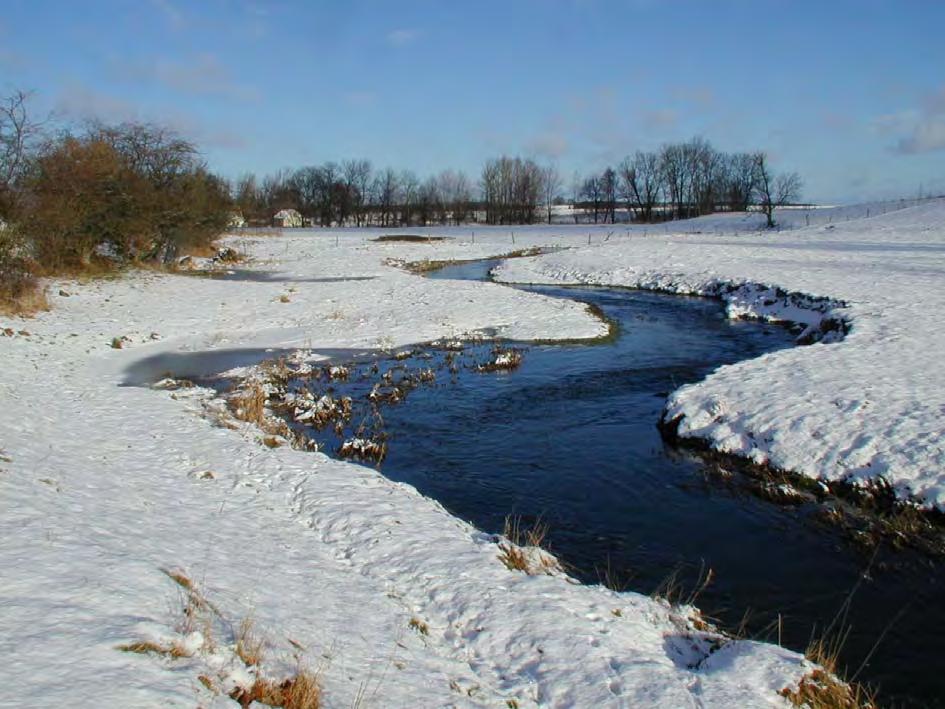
106, 482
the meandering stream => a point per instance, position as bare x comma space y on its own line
570, 437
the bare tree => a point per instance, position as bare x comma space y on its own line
641, 183
774, 190
279, 191
429, 204
591, 192
386, 191
18, 131
608, 194
550, 186
739, 181
511, 188
675, 177
153, 150
705, 164
456, 195
409, 195
575, 191
249, 200
357, 179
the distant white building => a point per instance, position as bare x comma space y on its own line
287, 218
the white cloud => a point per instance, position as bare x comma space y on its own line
920, 131
927, 135
200, 75
82, 102
173, 14
660, 118
696, 95
550, 144
402, 37
891, 123
360, 99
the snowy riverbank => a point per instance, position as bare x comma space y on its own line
871, 404
105, 481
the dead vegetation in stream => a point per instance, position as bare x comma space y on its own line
823, 687
870, 515
337, 406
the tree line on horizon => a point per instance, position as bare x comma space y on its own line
95, 196
677, 181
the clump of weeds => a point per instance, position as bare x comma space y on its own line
520, 548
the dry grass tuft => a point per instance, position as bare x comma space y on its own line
301, 691
21, 293
195, 605
25, 302
277, 371
419, 626
249, 646
180, 579
821, 690
672, 591
250, 405
521, 549
146, 647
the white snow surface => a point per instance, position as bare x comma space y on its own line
105, 481
869, 406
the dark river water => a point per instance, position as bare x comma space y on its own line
570, 437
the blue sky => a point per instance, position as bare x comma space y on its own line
849, 94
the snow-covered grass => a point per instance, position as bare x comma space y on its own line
105, 480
